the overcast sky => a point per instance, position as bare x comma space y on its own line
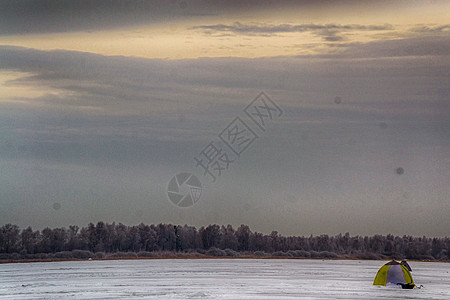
101, 104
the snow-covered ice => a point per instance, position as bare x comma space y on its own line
215, 279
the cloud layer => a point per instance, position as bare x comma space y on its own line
116, 128
329, 32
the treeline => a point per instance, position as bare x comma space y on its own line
105, 240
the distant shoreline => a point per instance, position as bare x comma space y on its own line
163, 241
187, 257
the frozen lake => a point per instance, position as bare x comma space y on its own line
215, 279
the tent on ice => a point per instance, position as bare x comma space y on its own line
395, 273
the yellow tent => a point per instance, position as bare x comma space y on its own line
394, 273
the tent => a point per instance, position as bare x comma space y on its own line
394, 273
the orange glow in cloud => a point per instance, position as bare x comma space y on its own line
178, 40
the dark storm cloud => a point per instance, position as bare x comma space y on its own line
49, 16
329, 32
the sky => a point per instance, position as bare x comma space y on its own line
103, 102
